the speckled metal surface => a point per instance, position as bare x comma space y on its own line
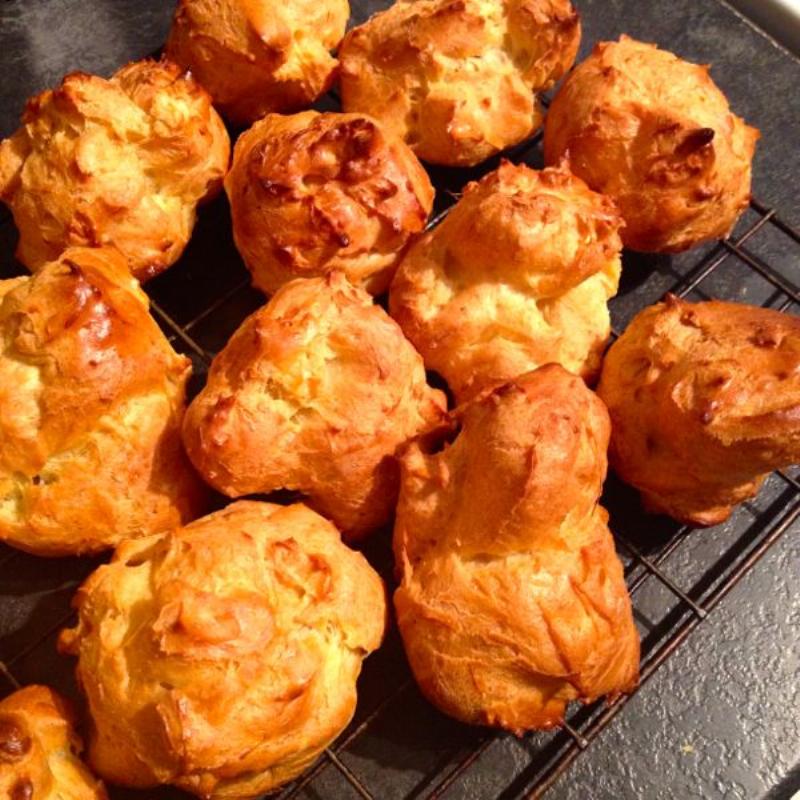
721, 719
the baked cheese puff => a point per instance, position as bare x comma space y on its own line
91, 405
458, 79
516, 276
257, 56
704, 401
656, 134
313, 393
222, 657
512, 600
312, 193
121, 162
40, 750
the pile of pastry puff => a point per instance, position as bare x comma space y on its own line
220, 653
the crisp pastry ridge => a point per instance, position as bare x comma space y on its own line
222, 657
91, 405
516, 276
314, 392
656, 134
121, 162
512, 600
457, 79
315, 192
704, 401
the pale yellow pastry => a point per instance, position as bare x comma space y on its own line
257, 56
311, 193
512, 600
91, 405
517, 275
222, 657
40, 750
120, 162
704, 401
458, 79
656, 134
315, 392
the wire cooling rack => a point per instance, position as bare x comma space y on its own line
199, 303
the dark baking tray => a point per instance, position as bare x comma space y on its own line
719, 719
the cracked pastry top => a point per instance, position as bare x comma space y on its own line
704, 401
312, 193
91, 405
458, 79
313, 393
259, 56
122, 161
512, 600
654, 133
516, 276
222, 657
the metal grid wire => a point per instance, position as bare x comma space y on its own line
692, 605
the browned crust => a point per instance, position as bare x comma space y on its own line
222, 657
259, 56
457, 79
517, 275
312, 193
656, 134
314, 392
40, 750
512, 600
91, 404
704, 401
120, 162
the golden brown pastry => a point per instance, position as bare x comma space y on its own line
457, 79
311, 193
704, 401
222, 657
39, 750
314, 392
120, 162
654, 133
91, 404
257, 56
516, 276
512, 600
